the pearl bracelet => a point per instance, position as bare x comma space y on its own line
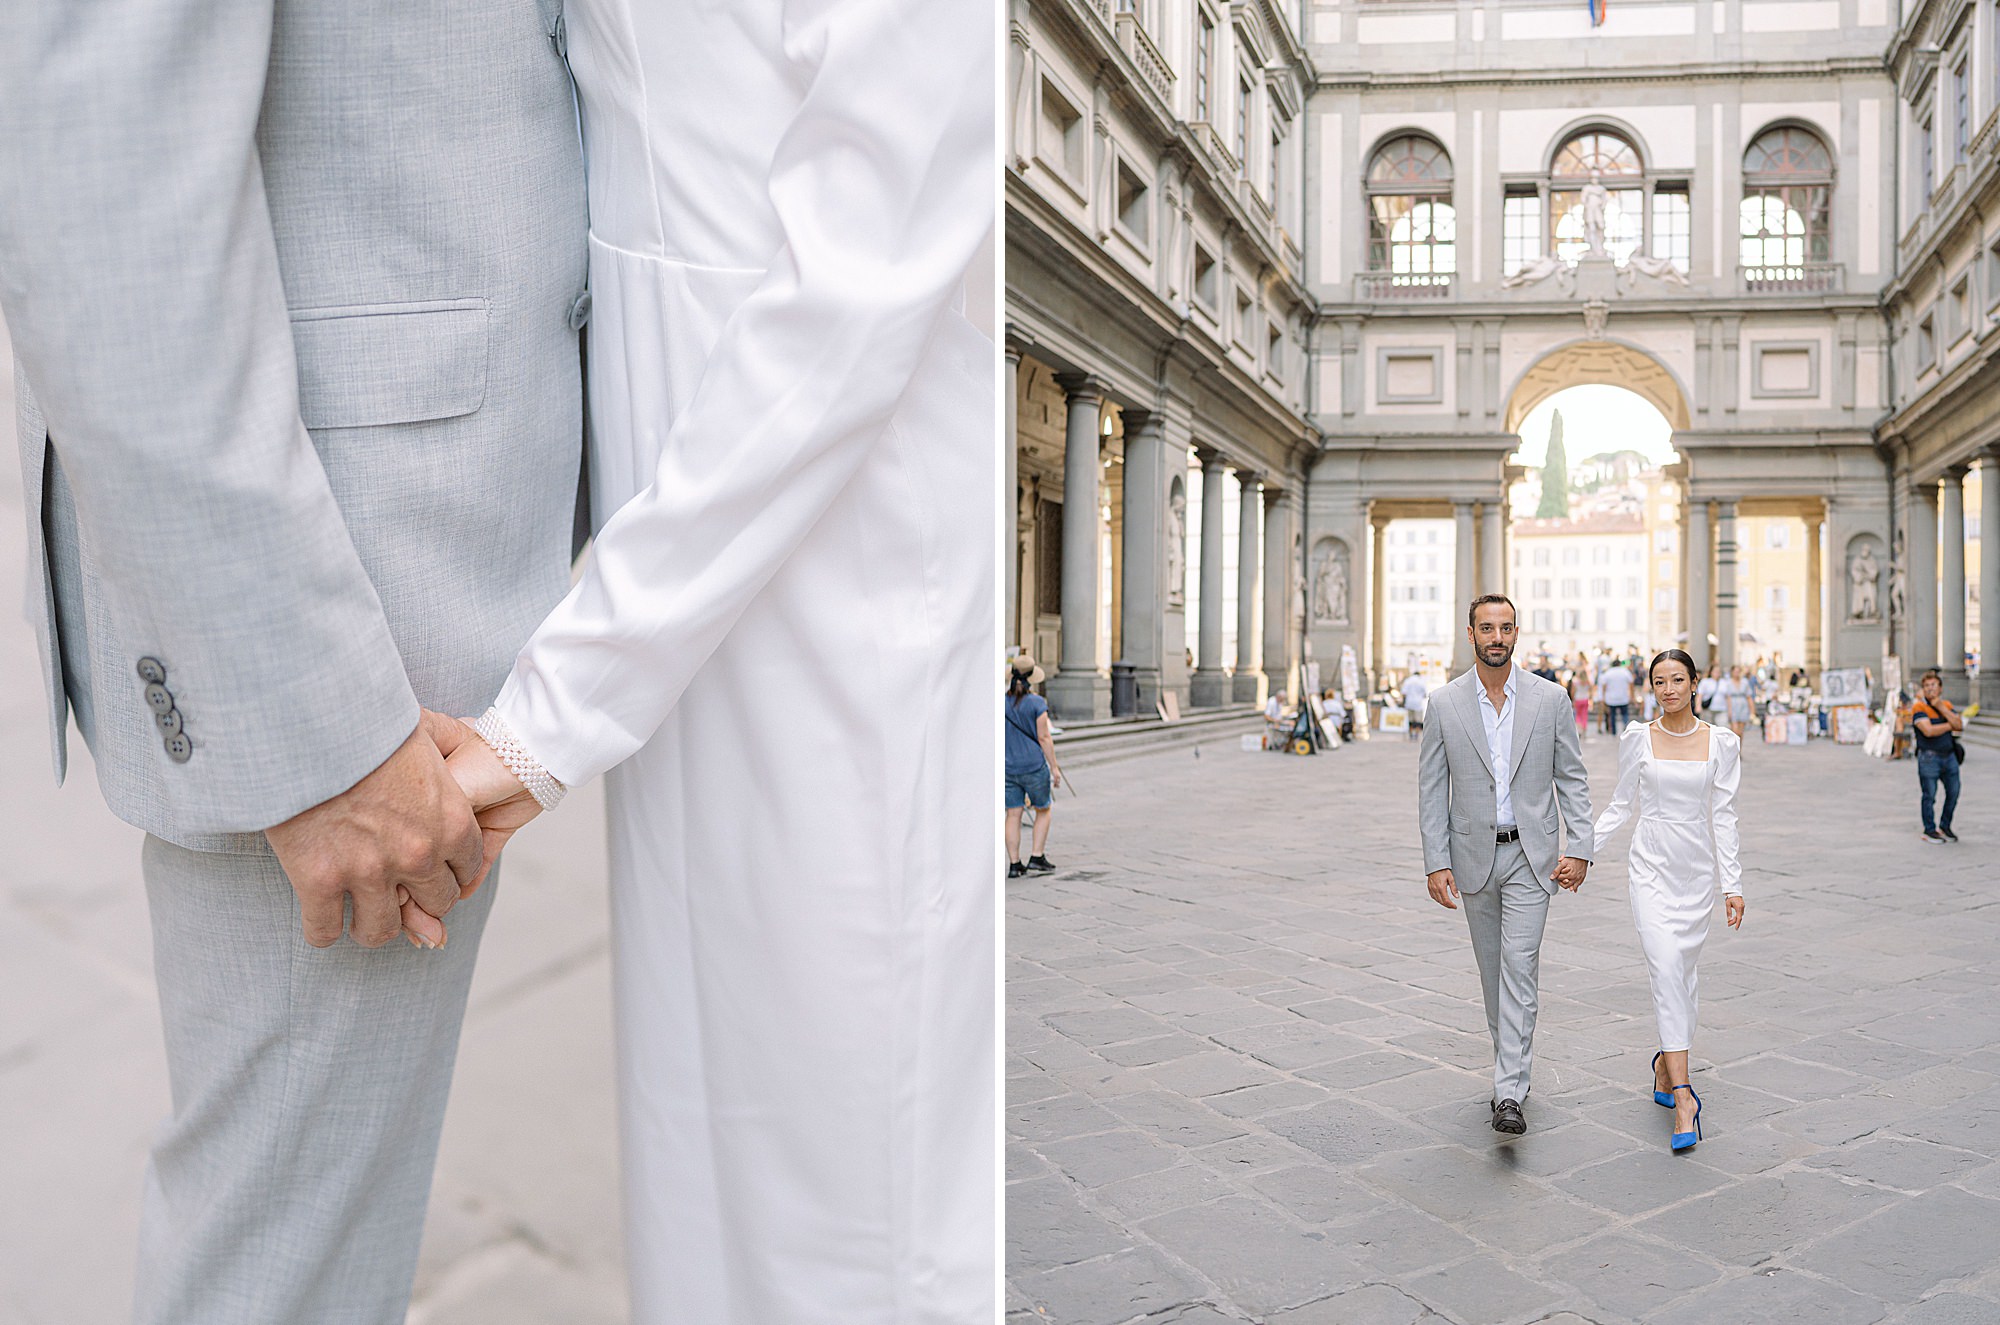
492, 729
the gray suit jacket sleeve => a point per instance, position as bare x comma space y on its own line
139, 277
1434, 792
1573, 793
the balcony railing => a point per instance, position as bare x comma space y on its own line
1211, 142
1152, 65
1794, 278
1386, 286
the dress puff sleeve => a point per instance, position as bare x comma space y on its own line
883, 186
1625, 800
1722, 812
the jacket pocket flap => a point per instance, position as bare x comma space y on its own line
374, 364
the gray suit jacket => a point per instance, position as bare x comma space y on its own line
1457, 791
294, 291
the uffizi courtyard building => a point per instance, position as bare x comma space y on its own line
1282, 274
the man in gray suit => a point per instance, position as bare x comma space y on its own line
1499, 780
295, 293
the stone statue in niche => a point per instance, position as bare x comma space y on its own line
1898, 577
1596, 199
1177, 546
1540, 269
1660, 269
1864, 579
1329, 587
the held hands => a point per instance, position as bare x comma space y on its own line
402, 839
500, 802
1569, 873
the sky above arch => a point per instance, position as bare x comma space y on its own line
1597, 419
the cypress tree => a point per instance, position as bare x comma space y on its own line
1555, 475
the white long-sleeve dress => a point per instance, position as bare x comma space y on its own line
783, 640
1684, 849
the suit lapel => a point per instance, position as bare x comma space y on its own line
1524, 721
1468, 701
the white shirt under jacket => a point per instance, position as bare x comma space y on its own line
1500, 748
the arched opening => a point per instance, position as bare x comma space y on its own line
1594, 562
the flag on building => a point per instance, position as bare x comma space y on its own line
1597, 12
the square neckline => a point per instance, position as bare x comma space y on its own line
1657, 757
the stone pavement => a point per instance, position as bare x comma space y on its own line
524, 1221
1248, 1067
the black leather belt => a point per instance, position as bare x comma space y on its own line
1507, 835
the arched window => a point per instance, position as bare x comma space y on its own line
1603, 156
1787, 192
1639, 209
1412, 230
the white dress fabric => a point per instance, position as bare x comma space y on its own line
1684, 849
783, 640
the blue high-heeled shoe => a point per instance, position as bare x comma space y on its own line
1662, 1098
1685, 1140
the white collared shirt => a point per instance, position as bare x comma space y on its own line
1500, 748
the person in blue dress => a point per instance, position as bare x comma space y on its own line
1032, 772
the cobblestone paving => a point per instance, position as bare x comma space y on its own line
1248, 1068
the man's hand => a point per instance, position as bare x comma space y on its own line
499, 800
1733, 908
1569, 872
1443, 888
403, 834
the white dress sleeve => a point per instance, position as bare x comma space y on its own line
1728, 773
883, 188
1625, 798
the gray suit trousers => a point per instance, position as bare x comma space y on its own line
309, 1089
1506, 918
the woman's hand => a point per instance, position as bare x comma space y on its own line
1733, 905
499, 802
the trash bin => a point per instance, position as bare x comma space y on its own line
1124, 689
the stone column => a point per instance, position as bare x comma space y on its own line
1280, 515
1250, 497
1010, 448
1920, 585
1815, 618
1989, 581
1725, 584
1464, 584
1142, 597
1209, 686
1492, 557
1951, 587
1078, 691
1378, 595
1695, 600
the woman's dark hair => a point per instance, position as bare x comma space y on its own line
1680, 656
1017, 684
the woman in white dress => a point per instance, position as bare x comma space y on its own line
1678, 776
781, 647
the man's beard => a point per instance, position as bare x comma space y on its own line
1505, 652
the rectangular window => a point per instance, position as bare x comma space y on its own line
1541, 556
1926, 345
1600, 587
1631, 618
1572, 619
1570, 589
1061, 141
1243, 104
1048, 558
1663, 540
1926, 163
1271, 171
1521, 230
1543, 619
1961, 308
1601, 616
1672, 228
1204, 277
1541, 588
1961, 110
1777, 534
1631, 586
1135, 203
1243, 306
1204, 61
1274, 351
